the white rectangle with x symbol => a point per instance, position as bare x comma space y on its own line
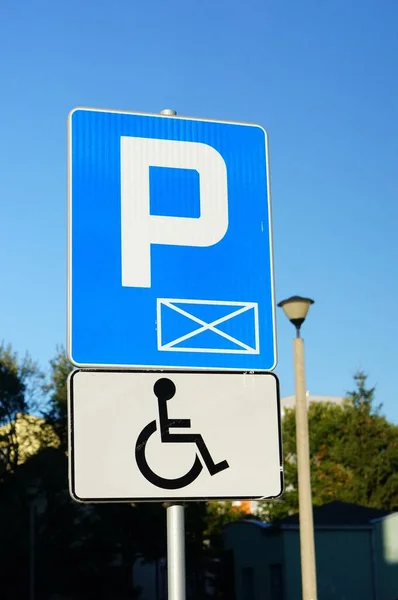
233, 326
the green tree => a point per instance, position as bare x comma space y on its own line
20, 382
56, 414
354, 454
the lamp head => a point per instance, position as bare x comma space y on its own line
296, 309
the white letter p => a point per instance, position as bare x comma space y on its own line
140, 229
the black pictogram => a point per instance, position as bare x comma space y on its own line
165, 390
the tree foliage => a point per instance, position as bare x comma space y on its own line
19, 384
56, 413
354, 454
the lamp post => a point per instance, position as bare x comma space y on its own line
296, 309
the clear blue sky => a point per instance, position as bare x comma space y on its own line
321, 77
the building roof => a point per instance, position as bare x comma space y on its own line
393, 515
256, 522
340, 514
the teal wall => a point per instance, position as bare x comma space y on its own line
256, 548
344, 562
344, 565
386, 552
292, 565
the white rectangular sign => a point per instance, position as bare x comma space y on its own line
140, 436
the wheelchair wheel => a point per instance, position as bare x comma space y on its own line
162, 482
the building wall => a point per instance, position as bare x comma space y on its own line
343, 560
257, 552
290, 401
386, 553
292, 567
267, 563
345, 565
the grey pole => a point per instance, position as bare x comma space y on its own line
176, 584
307, 544
175, 552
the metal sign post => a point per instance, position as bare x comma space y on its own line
176, 583
176, 580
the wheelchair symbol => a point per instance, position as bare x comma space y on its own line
165, 390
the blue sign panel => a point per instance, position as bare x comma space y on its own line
170, 253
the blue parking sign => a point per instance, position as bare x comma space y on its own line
170, 249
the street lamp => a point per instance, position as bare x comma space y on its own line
296, 309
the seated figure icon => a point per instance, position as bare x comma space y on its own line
164, 390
